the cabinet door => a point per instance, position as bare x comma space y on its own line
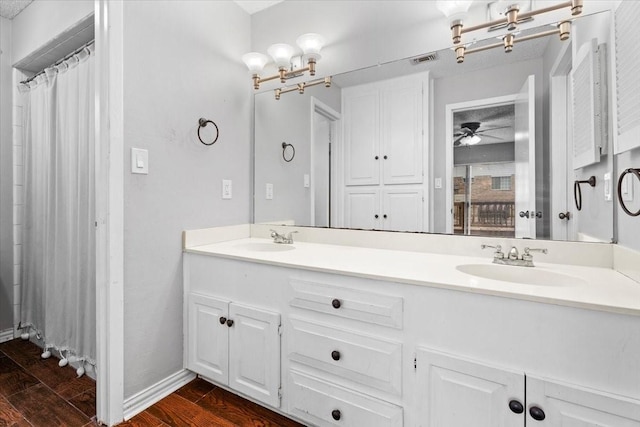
401, 128
402, 210
460, 392
208, 352
362, 208
254, 350
572, 406
361, 136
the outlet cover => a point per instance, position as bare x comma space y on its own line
226, 189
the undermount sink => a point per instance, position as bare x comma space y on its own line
266, 247
523, 275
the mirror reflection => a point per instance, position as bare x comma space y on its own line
488, 147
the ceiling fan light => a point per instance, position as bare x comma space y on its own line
470, 140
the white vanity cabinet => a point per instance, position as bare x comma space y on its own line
460, 392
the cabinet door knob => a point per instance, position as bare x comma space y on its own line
376, 216
336, 303
229, 323
385, 157
384, 216
537, 413
516, 407
335, 414
377, 157
223, 320
335, 355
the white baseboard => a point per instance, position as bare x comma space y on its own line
146, 398
6, 335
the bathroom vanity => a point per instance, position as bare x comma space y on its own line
345, 335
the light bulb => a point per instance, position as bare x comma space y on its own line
255, 61
281, 54
311, 44
470, 140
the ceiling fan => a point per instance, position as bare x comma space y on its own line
470, 135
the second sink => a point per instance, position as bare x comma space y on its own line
523, 275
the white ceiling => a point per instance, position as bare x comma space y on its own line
10, 8
253, 6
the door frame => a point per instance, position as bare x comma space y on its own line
334, 118
450, 109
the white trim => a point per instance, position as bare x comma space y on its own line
333, 116
450, 109
151, 395
109, 17
6, 335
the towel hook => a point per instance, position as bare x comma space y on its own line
203, 123
636, 172
284, 148
577, 192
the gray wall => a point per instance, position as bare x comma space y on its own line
181, 62
489, 153
487, 83
288, 120
6, 179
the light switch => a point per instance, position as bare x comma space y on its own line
226, 189
607, 186
269, 191
306, 180
438, 182
139, 161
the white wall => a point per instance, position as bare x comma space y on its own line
181, 62
42, 20
6, 180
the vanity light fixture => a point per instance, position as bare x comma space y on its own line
300, 87
456, 12
282, 53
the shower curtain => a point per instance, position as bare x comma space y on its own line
58, 244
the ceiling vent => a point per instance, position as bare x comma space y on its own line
425, 58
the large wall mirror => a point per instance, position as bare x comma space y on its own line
493, 146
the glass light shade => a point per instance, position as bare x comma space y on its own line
470, 140
255, 61
454, 10
281, 54
311, 44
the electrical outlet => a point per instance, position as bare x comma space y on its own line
226, 189
269, 191
607, 186
306, 180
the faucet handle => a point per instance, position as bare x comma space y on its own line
527, 253
289, 236
498, 253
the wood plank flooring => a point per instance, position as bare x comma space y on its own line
38, 393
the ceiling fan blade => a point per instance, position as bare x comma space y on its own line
456, 143
494, 137
487, 130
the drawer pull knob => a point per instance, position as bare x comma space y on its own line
336, 303
537, 413
229, 323
336, 414
335, 355
516, 407
223, 320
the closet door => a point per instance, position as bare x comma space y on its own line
401, 117
361, 135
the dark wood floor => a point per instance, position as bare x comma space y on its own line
36, 392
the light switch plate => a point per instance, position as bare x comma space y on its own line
607, 186
438, 183
306, 180
139, 161
269, 191
226, 189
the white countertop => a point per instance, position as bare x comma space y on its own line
599, 288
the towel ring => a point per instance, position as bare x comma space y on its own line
636, 172
577, 192
203, 123
284, 149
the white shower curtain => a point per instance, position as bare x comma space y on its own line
58, 246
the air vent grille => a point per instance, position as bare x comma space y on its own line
425, 58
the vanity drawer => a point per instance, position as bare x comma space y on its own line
359, 358
365, 306
324, 404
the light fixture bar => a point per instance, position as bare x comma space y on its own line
300, 87
575, 5
510, 39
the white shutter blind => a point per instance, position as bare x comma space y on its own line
586, 120
627, 35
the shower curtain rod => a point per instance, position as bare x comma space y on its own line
60, 61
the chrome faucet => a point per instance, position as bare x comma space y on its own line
281, 238
514, 258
